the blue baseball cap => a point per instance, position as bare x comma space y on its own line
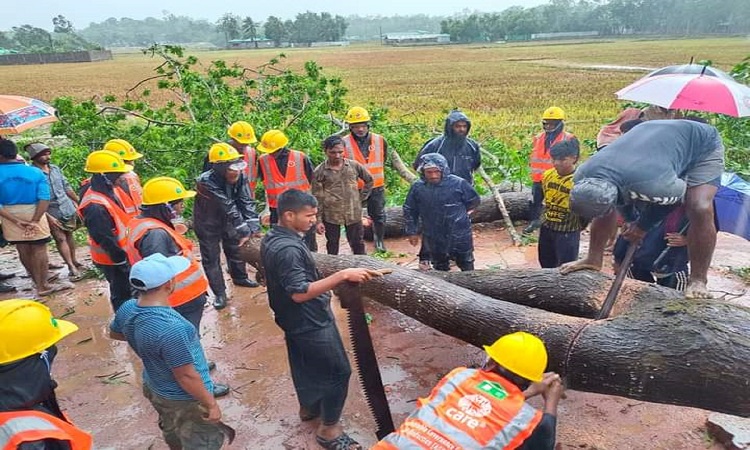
155, 270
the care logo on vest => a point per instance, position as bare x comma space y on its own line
471, 408
494, 389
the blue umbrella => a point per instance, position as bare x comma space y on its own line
732, 205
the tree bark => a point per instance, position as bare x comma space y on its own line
578, 294
517, 204
682, 352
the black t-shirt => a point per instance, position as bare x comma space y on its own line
26, 383
290, 269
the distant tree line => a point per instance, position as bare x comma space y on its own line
613, 17
30, 39
306, 28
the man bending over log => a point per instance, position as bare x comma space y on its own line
655, 166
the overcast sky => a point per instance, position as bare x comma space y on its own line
82, 12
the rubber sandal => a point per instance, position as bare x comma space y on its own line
56, 288
342, 442
80, 276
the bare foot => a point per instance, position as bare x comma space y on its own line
697, 289
581, 264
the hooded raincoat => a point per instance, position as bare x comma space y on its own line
443, 209
461, 153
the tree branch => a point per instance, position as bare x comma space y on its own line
104, 109
501, 206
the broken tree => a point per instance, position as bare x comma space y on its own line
517, 204
666, 350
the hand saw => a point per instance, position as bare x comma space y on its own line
609, 302
364, 356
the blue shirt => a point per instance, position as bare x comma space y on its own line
164, 340
21, 184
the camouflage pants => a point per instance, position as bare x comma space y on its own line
182, 424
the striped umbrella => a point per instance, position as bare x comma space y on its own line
694, 92
18, 114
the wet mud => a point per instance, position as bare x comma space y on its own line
100, 381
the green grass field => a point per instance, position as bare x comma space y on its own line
502, 87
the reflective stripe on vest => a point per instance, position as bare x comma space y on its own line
189, 284
119, 217
469, 408
540, 160
275, 183
133, 183
251, 171
28, 426
374, 163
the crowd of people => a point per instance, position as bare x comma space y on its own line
657, 175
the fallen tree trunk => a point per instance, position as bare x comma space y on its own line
579, 294
517, 204
690, 353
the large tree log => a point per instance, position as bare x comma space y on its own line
579, 294
683, 352
517, 204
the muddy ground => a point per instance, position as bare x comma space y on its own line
101, 391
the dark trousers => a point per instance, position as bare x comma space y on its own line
442, 261
310, 238
557, 247
320, 371
354, 235
210, 246
118, 278
192, 311
537, 198
376, 205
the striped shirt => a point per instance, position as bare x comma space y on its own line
557, 214
164, 340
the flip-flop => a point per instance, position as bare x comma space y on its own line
342, 442
55, 288
78, 277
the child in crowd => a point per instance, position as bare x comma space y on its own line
560, 233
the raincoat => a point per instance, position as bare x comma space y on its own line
443, 209
462, 154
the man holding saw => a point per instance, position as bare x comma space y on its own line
301, 301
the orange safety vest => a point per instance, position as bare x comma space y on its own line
275, 183
18, 427
119, 217
540, 160
374, 163
189, 284
251, 171
133, 182
469, 408
128, 201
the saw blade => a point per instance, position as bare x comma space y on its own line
364, 356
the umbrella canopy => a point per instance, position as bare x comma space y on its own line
691, 92
732, 205
18, 114
691, 69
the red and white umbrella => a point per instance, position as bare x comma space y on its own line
695, 92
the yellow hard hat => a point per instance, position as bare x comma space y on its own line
27, 327
242, 132
357, 114
553, 113
123, 148
521, 353
272, 140
105, 161
164, 190
222, 152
